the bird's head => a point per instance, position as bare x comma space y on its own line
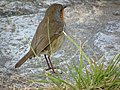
56, 12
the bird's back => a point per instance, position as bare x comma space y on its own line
47, 31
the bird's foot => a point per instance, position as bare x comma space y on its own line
50, 68
53, 70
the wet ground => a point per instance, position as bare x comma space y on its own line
94, 24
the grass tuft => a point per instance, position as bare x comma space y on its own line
95, 77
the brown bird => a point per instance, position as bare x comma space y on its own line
49, 35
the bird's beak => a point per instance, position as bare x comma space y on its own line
64, 7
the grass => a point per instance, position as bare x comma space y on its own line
95, 77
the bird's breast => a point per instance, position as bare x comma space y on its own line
55, 45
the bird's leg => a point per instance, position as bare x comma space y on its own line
47, 62
51, 64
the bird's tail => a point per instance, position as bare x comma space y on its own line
22, 60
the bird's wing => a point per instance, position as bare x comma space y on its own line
43, 37
39, 40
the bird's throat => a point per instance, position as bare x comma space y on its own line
62, 15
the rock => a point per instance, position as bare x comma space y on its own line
98, 28
108, 44
116, 13
18, 8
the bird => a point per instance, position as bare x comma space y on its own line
48, 37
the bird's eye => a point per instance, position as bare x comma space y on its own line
62, 14
61, 10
